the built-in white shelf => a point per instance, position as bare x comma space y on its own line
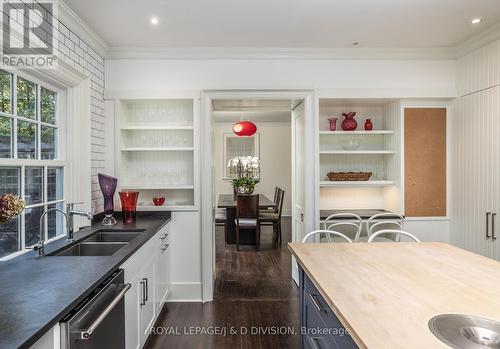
157, 186
373, 183
360, 152
156, 127
157, 149
374, 132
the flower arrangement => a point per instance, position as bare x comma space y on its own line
10, 206
246, 170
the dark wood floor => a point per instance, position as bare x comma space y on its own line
254, 291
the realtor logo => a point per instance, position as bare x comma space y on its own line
28, 34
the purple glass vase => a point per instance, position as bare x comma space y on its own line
108, 187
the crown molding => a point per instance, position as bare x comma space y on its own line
257, 53
482, 39
69, 18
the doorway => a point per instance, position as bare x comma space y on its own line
285, 126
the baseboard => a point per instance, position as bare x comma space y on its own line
185, 292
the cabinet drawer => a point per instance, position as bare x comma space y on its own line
317, 304
316, 334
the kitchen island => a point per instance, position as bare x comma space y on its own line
384, 294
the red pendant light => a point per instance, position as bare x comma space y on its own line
244, 128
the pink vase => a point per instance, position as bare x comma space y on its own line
349, 123
333, 124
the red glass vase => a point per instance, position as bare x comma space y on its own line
129, 205
349, 123
368, 125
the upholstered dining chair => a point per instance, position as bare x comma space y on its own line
275, 201
329, 235
274, 218
399, 233
349, 224
247, 217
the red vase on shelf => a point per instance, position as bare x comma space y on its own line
368, 125
159, 201
333, 124
349, 123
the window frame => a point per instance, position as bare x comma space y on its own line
59, 161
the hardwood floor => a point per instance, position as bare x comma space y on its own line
254, 291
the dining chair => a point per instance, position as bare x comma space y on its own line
274, 218
220, 218
384, 221
329, 234
398, 233
275, 201
348, 220
247, 217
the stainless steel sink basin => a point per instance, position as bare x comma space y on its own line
465, 331
91, 249
113, 236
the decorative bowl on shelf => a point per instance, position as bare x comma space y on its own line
351, 144
159, 201
349, 176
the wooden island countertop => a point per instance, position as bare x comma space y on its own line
385, 293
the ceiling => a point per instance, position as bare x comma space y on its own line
286, 23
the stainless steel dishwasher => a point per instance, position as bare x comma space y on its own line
99, 320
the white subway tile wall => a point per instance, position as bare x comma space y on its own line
83, 58
78, 54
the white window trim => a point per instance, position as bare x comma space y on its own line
59, 160
75, 130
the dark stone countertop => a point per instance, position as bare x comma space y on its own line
36, 292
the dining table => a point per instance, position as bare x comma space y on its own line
228, 201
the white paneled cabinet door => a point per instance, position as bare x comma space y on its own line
495, 165
476, 172
147, 306
162, 268
132, 297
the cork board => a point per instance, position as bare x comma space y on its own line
425, 162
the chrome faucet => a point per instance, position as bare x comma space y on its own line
70, 213
40, 246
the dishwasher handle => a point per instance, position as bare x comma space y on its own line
85, 334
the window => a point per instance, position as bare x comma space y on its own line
29, 160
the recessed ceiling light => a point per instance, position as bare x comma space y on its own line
154, 20
476, 20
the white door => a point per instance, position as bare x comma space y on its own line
298, 195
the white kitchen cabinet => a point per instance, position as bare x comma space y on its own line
476, 166
162, 269
147, 272
147, 302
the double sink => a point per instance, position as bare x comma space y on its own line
101, 243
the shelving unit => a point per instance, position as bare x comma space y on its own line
377, 151
370, 183
357, 152
156, 151
358, 132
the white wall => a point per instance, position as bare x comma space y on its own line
275, 160
151, 75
